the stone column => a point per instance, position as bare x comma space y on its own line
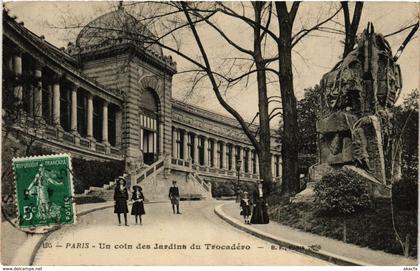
196, 158
185, 153
174, 138
56, 102
161, 147
141, 139
224, 158
105, 122
154, 144
257, 164
90, 116
233, 157
73, 116
215, 156
38, 92
249, 161
241, 158
17, 70
206, 151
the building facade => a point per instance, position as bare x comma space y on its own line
111, 99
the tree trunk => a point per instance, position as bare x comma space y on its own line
351, 26
265, 142
289, 146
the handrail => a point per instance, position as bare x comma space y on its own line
149, 170
202, 182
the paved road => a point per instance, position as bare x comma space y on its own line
197, 225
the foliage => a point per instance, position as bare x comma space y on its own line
371, 228
88, 173
405, 122
228, 188
341, 192
405, 194
308, 110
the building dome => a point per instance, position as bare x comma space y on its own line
114, 28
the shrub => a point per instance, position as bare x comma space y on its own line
341, 192
88, 173
405, 194
228, 188
222, 189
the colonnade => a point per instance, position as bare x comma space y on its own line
204, 150
43, 91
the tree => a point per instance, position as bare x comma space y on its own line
308, 113
260, 62
405, 124
290, 173
284, 41
351, 27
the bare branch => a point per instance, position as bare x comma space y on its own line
400, 30
235, 45
216, 90
302, 33
293, 11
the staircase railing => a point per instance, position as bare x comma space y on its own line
206, 186
150, 170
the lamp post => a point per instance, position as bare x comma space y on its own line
238, 168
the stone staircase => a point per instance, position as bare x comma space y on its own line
203, 187
105, 192
155, 183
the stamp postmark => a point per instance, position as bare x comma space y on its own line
44, 192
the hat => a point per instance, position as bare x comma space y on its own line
122, 179
137, 187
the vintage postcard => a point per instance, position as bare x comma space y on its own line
265, 133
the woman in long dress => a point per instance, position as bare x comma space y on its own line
259, 211
121, 197
137, 210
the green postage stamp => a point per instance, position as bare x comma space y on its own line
44, 191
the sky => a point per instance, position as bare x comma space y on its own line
312, 57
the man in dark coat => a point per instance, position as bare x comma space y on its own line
174, 197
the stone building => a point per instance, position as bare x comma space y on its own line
111, 99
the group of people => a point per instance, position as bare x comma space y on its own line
254, 210
121, 198
137, 210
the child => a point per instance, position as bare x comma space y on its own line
138, 207
246, 207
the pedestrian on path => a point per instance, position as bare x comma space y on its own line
246, 207
137, 210
259, 211
121, 197
174, 197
